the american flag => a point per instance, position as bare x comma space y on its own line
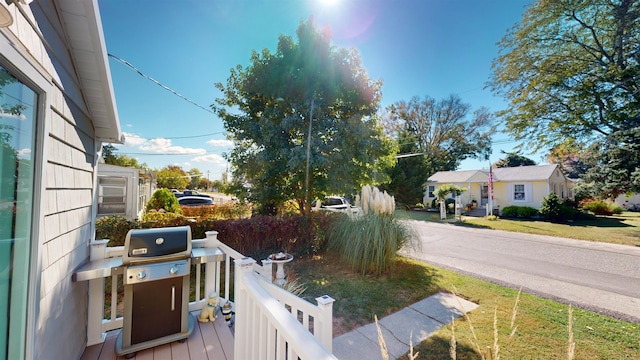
491, 182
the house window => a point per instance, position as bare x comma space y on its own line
562, 191
18, 160
431, 189
112, 196
518, 192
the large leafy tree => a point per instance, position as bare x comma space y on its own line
513, 159
172, 177
570, 70
307, 98
442, 132
110, 157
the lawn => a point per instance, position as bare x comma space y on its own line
542, 325
618, 229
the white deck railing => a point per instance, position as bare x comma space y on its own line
287, 324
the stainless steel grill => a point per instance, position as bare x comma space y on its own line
157, 264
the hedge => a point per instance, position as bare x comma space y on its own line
256, 237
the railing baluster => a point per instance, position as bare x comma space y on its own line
198, 275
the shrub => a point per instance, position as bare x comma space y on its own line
114, 228
519, 211
550, 207
419, 206
435, 204
601, 207
255, 237
229, 210
510, 211
370, 241
164, 199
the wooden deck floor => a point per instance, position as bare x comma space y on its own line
209, 341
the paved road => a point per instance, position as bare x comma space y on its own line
596, 276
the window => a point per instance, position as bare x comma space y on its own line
431, 189
518, 192
112, 196
18, 105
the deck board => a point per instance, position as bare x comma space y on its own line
203, 344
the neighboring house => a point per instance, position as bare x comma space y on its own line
58, 108
123, 190
630, 202
519, 186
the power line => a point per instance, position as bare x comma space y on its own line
129, 65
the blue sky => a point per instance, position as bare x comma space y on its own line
417, 48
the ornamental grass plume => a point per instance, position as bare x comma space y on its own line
374, 201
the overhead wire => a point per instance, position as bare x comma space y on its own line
129, 65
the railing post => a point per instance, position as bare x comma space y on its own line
266, 270
212, 269
325, 304
243, 268
95, 309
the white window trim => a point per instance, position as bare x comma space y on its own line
528, 192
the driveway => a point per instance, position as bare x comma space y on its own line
600, 277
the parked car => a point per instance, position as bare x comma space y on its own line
335, 203
194, 201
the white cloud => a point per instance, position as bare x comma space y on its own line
162, 145
220, 142
23, 152
10, 115
211, 158
187, 164
133, 140
129, 125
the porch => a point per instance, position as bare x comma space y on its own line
268, 322
209, 341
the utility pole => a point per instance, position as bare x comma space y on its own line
306, 182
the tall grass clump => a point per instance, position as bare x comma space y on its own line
369, 241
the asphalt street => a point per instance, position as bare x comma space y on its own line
596, 276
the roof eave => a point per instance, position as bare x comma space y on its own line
83, 25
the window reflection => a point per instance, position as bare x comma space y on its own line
17, 150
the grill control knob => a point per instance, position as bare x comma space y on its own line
174, 269
141, 275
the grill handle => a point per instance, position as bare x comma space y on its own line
173, 298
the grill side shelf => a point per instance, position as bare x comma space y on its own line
98, 269
205, 255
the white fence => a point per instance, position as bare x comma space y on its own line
270, 323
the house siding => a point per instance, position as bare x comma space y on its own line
67, 158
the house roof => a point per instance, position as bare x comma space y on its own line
524, 173
83, 27
520, 173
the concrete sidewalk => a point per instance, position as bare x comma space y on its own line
419, 320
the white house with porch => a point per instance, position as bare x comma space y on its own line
517, 186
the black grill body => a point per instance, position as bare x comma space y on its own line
157, 264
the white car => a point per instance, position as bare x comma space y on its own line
334, 203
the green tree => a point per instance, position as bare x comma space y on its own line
570, 70
513, 159
163, 199
110, 157
308, 104
445, 132
196, 176
172, 177
572, 158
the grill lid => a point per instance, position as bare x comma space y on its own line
157, 244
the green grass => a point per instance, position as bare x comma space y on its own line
618, 229
360, 297
542, 325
